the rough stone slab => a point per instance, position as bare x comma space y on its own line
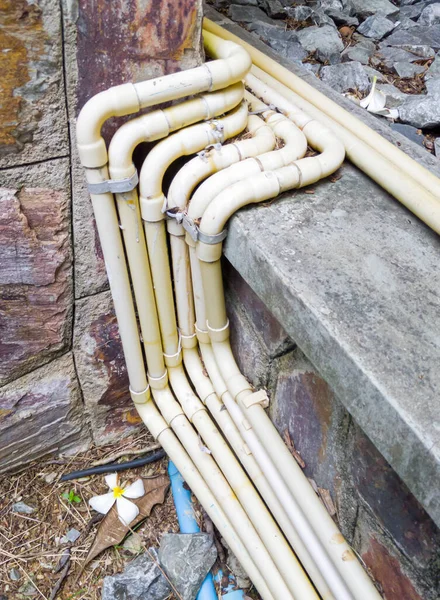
394, 575
324, 41
142, 579
32, 113
345, 77
364, 9
134, 41
101, 370
40, 414
35, 267
187, 559
376, 27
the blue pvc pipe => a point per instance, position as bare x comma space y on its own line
188, 524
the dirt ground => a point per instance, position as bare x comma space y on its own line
31, 546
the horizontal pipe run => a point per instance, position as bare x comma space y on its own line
350, 123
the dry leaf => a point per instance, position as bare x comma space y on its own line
112, 531
296, 455
310, 191
327, 500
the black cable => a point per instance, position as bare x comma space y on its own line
115, 467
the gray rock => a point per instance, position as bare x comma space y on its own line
320, 18
291, 50
14, 574
406, 69
389, 56
247, 14
312, 67
412, 11
346, 76
394, 96
363, 9
324, 41
408, 131
141, 579
376, 27
342, 18
422, 112
405, 23
418, 35
328, 5
71, 536
267, 31
433, 86
22, 508
273, 8
434, 69
437, 146
357, 54
186, 559
300, 13
430, 15
364, 42
372, 73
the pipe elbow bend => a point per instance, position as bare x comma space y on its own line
114, 102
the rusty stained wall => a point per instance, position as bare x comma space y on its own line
61, 358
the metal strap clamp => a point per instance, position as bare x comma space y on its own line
190, 226
114, 186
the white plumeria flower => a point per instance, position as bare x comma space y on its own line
127, 511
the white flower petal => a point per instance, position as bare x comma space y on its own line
377, 102
102, 503
127, 511
135, 490
111, 480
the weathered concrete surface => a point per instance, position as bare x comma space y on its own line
42, 413
101, 370
346, 271
126, 40
33, 122
35, 267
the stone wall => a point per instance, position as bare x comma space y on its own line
62, 374
390, 531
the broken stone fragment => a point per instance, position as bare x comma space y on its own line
376, 27
22, 508
187, 559
324, 41
345, 77
141, 579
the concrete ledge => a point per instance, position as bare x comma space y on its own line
353, 278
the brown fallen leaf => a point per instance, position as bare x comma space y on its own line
112, 531
327, 500
296, 455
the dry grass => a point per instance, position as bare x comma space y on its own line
31, 543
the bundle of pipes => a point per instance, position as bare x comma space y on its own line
218, 436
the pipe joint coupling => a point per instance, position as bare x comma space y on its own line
259, 397
218, 335
141, 397
203, 336
188, 341
158, 383
151, 208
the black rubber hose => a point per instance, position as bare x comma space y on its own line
115, 467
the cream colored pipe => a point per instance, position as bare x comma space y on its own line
108, 230
193, 408
201, 167
336, 113
231, 67
217, 324
279, 507
271, 536
295, 146
178, 421
152, 126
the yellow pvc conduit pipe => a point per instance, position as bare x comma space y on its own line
279, 551
326, 107
268, 185
116, 102
295, 146
216, 159
136, 254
